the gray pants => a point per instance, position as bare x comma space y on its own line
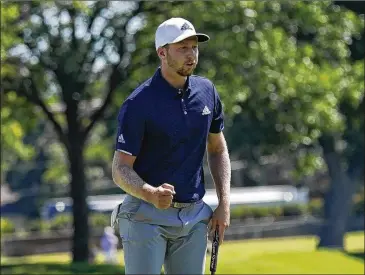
151, 238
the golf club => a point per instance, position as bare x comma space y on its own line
214, 257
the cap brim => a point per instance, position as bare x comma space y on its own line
201, 37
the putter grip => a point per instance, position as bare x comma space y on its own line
215, 246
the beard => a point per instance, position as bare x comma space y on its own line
180, 70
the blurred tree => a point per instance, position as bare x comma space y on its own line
18, 153
70, 58
13, 126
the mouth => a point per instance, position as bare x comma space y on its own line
190, 64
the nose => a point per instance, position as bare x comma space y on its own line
191, 54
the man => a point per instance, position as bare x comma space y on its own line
165, 127
109, 244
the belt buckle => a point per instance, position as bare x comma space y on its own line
175, 204
178, 205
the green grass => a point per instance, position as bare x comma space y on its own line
267, 256
48, 268
290, 255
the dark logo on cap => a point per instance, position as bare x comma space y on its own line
186, 27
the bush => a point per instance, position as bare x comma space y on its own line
276, 211
60, 222
293, 210
237, 213
99, 220
260, 212
7, 226
249, 212
315, 208
39, 226
64, 221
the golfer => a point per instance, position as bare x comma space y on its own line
165, 127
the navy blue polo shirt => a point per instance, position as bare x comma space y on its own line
167, 131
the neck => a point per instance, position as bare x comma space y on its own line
173, 78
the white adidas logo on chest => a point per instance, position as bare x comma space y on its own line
205, 111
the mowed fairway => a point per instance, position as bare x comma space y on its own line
267, 256
288, 256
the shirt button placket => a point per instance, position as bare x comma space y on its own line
183, 106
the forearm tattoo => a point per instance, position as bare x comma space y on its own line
220, 168
127, 179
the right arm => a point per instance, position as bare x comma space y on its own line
126, 178
130, 135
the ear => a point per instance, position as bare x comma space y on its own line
161, 52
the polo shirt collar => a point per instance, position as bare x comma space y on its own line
159, 77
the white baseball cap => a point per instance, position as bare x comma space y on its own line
175, 30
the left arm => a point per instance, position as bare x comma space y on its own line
220, 166
220, 169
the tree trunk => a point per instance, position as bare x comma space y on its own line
80, 209
80, 247
338, 200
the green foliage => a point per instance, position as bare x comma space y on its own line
260, 212
9, 15
294, 210
13, 109
64, 221
315, 207
282, 70
6, 226
60, 222
57, 172
39, 226
99, 220
252, 212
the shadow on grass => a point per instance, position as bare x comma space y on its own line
360, 255
61, 269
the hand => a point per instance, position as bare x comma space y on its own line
220, 217
162, 196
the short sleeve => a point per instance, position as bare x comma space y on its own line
217, 124
131, 125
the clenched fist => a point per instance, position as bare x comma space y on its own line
162, 196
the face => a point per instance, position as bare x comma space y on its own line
181, 57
